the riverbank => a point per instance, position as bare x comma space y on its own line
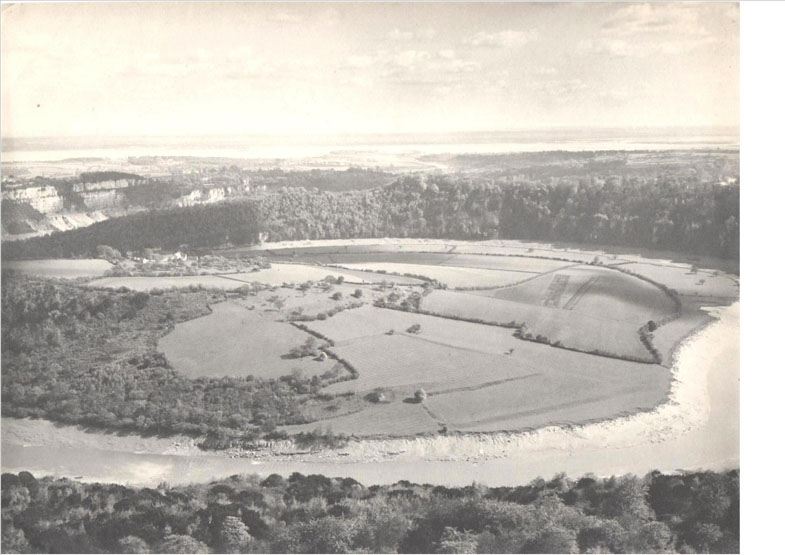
698, 428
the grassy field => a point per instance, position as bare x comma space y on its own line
482, 389
418, 362
370, 321
143, 283
548, 399
679, 277
393, 419
594, 291
479, 377
451, 276
439, 258
573, 329
235, 341
68, 268
277, 275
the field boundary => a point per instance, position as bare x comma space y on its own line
515, 326
481, 386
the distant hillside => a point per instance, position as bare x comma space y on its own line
97, 177
662, 213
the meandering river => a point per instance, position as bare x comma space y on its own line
698, 430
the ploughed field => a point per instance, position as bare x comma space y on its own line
502, 340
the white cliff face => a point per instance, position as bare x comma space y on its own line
100, 198
45, 199
104, 199
105, 185
65, 222
200, 196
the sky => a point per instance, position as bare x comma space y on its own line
149, 69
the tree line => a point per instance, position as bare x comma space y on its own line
658, 513
663, 212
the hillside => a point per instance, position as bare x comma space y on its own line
668, 213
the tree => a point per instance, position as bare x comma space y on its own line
455, 541
553, 539
175, 543
705, 536
132, 544
14, 540
357, 293
234, 535
420, 395
108, 253
651, 537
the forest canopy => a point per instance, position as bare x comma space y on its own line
658, 513
668, 213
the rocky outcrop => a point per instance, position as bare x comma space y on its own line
45, 198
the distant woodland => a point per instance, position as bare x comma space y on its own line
689, 513
670, 213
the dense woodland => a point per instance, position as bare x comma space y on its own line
87, 356
670, 213
659, 513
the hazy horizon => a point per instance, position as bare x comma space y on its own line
208, 69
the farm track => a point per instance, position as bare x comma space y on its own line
539, 275
480, 386
555, 291
435, 417
582, 290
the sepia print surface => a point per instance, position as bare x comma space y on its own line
370, 277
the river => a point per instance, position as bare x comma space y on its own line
697, 429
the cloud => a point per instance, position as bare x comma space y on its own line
285, 17
556, 88
641, 30
546, 70
426, 33
359, 61
501, 39
409, 67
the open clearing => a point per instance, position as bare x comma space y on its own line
593, 291
508, 263
235, 341
68, 268
701, 283
393, 419
391, 361
478, 376
451, 276
573, 329
145, 283
276, 275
